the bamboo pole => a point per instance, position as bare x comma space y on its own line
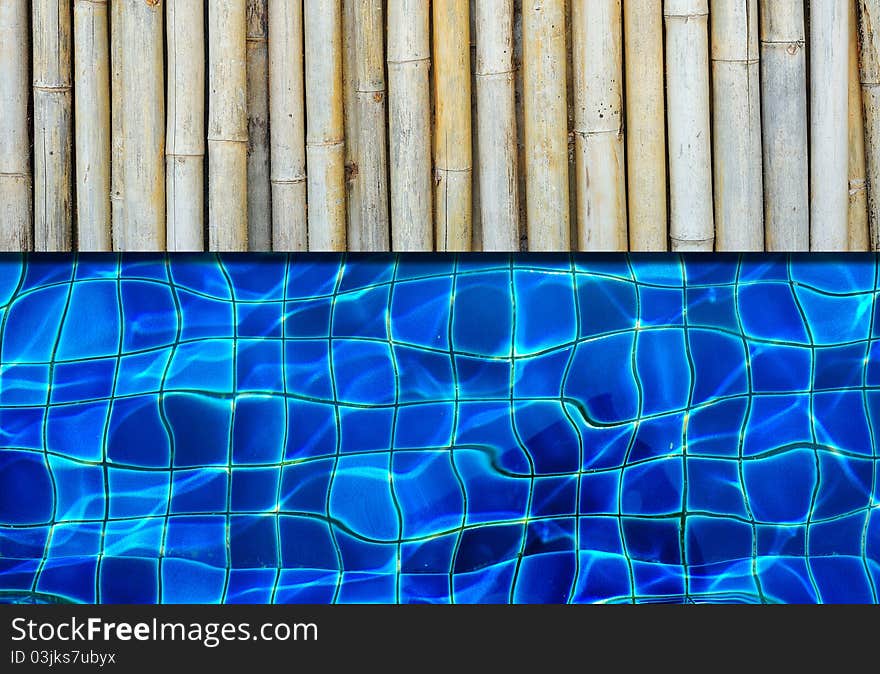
287, 112
227, 126
869, 34
496, 125
784, 126
739, 189
645, 124
691, 223
185, 145
859, 237
143, 124
409, 125
325, 145
117, 141
15, 160
546, 126
601, 179
259, 201
53, 126
353, 178
91, 57
476, 216
453, 169
829, 106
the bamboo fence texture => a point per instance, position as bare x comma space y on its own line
440, 125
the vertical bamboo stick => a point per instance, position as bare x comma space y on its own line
784, 126
372, 155
453, 168
287, 112
409, 124
353, 177
325, 145
601, 179
227, 126
829, 106
53, 126
476, 216
91, 57
185, 143
117, 141
259, 202
496, 122
869, 33
546, 126
143, 124
859, 238
690, 165
739, 190
15, 161
645, 124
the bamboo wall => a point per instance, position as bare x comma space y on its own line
369, 125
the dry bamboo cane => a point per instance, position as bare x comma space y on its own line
829, 105
496, 122
259, 201
53, 126
601, 178
15, 161
739, 189
185, 143
287, 112
353, 178
690, 165
91, 57
645, 124
784, 126
409, 125
117, 141
453, 169
869, 33
143, 126
372, 155
227, 126
546, 126
859, 238
325, 145
476, 215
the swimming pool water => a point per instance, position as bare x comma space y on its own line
434, 429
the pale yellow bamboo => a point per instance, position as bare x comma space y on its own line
227, 126
53, 126
599, 147
15, 160
453, 169
645, 124
859, 237
259, 199
869, 32
287, 113
409, 125
325, 145
117, 141
546, 126
476, 177
353, 178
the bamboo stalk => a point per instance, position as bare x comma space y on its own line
784, 126
476, 216
496, 125
117, 141
691, 223
601, 179
185, 145
453, 169
546, 126
325, 145
91, 57
645, 124
869, 34
859, 237
287, 112
739, 189
15, 160
53, 126
353, 178
829, 106
227, 126
143, 124
259, 201
409, 125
